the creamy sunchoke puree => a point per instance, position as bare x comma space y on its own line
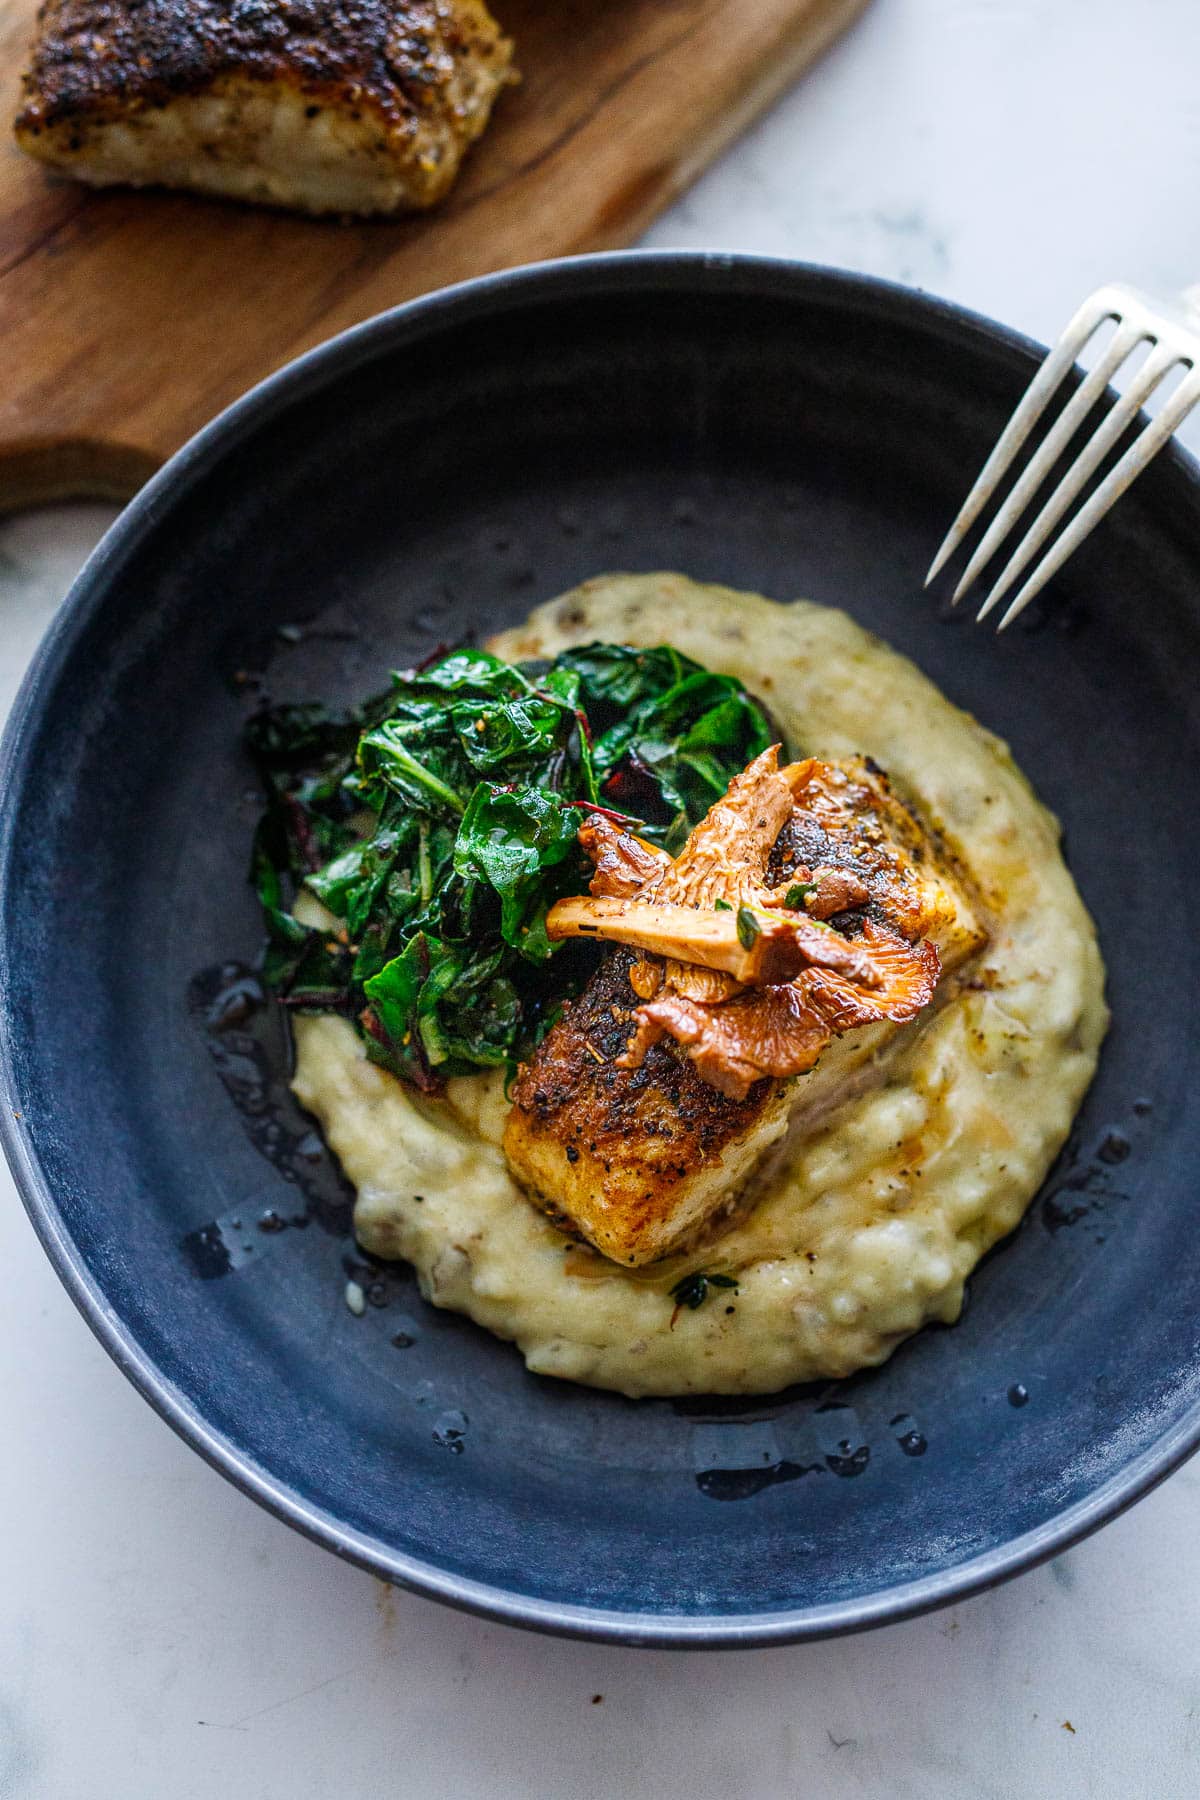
871, 1227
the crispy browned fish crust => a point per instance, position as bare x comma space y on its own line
637, 1147
396, 91
620, 1148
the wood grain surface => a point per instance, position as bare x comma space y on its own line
128, 319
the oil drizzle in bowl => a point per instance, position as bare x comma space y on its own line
848, 1454
738, 1453
247, 1041
450, 1430
743, 1484
904, 1429
1083, 1190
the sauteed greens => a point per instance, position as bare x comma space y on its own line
437, 823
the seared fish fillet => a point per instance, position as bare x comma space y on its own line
635, 1160
361, 107
640, 1153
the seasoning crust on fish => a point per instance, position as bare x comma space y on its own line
341, 108
614, 1153
648, 1108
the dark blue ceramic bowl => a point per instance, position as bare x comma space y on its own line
438, 471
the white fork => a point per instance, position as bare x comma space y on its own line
1172, 330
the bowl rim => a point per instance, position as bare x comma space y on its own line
614, 272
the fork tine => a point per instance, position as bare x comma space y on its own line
1135, 459
1029, 409
1057, 438
1082, 469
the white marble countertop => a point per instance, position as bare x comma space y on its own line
163, 1639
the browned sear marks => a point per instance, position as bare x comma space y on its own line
364, 106
809, 903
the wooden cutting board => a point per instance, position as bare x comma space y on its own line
127, 320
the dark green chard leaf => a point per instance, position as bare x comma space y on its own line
514, 729
287, 941
341, 879
319, 979
691, 740
304, 967
693, 1290
432, 1008
615, 679
467, 669
297, 962
509, 838
392, 1019
306, 736
439, 823
430, 780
